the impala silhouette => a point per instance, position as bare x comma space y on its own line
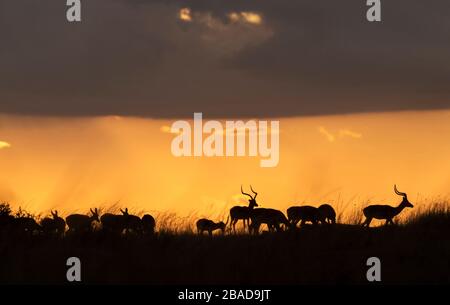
209, 226
327, 214
55, 225
303, 214
81, 223
239, 212
386, 212
148, 224
271, 217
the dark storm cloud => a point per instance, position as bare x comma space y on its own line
135, 57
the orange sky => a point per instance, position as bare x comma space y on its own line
73, 164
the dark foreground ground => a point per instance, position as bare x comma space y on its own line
418, 252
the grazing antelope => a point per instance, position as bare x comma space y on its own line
112, 223
239, 212
81, 223
55, 225
386, 212
327, 214
271, 217
209, 225
148, 224
131, 222
303, 213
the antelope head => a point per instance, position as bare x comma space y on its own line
54, 214
94, 214
124, 212
222, 226
405, 201
252, 201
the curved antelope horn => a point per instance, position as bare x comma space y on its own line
246, 193
94, 212
256, 194
399, 193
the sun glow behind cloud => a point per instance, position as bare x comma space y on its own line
4, 145
251, 17
226, 35
185, 14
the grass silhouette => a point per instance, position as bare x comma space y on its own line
417, 250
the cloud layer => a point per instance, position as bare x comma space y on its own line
224, 58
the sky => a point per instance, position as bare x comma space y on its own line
348, 161
86, 108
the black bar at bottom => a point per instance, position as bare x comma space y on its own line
142, 294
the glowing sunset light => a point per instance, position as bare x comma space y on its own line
74, 172
4, 145
185, 15
251, 17
247, 17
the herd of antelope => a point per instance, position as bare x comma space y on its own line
79, 223
251, 216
